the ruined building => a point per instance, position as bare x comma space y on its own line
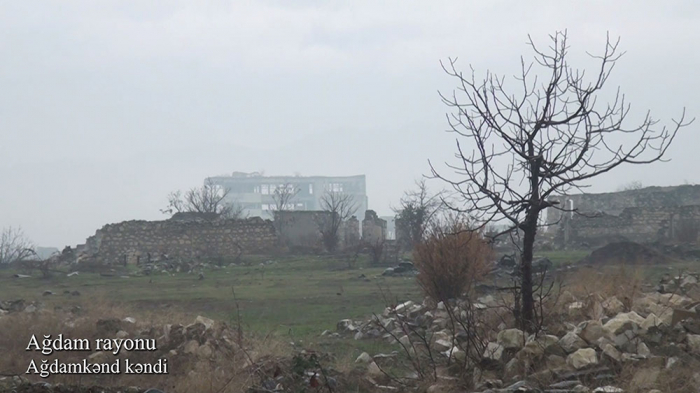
189, 236
373, 228
199, 236
254, 192
667, 214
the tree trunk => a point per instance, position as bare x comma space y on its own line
528, 304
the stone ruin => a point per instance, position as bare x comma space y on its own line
374, 237
373, 228
652, 214
198, 236
144, 241
301, 230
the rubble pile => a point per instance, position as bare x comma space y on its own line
204, 341
182, 345
686, 283
171, 266
203, 338
19, 305
585, 348
405, 268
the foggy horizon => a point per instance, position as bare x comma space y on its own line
106, 109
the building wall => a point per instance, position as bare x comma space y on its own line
177, 238
390, 227
373, 228
302, 229
255, 192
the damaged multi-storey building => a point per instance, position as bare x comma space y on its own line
651, 214
254, 192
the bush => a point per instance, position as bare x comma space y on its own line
451, 258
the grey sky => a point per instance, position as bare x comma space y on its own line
106, 106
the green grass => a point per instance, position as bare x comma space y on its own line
295, 297
559, 258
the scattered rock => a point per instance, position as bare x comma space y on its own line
571, 342
591, 331
374, 371
493, 351
346, 325
694, 343
363, 358
208, 323
613, 306
622, 322
582, 358
610, 351
511, 338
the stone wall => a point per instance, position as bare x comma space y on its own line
129, 240
351, 229
614, 203
639, 224
644, 215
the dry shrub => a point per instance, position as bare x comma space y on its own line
451, 258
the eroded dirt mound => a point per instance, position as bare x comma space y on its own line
628, 253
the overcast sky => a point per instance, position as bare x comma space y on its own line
106, 106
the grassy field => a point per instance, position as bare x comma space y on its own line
299, 297
295, 297
292, 299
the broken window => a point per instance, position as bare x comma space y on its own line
334, 187
288, 188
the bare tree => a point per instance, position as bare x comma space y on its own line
341, 207
14, 246
631, 186
283, 196
546, 140
209, 198
418, 209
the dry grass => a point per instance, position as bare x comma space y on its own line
682, 377
623, 282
